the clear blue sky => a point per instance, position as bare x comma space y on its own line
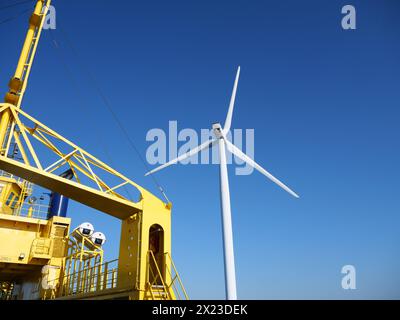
324, 104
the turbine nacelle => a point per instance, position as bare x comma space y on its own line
217, 129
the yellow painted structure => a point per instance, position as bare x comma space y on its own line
27, 245
35, 253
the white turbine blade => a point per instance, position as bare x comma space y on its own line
237, 152
184, 156
228, 120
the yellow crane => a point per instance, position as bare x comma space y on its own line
38, 257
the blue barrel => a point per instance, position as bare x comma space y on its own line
58, 205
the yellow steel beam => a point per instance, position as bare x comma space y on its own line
27, 141
10, 136
105, 200
30, 45
91, 159
66, 159
18, 83
60, 162
91, 197
86, 170
21, 147
3, 106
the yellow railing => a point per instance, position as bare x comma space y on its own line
92, 279
162, 280
36, 210
5, 174
157, 284
176, 281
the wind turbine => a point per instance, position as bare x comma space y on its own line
223, 144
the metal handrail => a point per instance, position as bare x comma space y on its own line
173, 274
177, 276
9, 175
100, 277
89, 279
37, 211
159, 274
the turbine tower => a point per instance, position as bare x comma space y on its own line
223, 144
